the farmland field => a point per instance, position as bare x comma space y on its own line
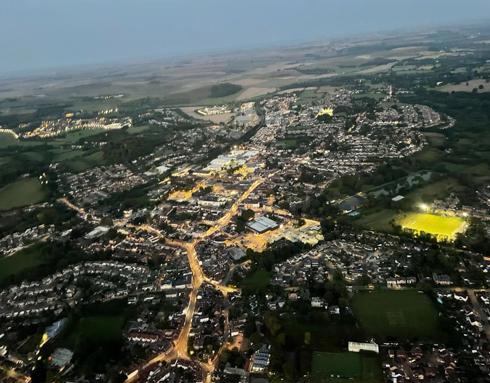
465, 86
24, 192
405, 314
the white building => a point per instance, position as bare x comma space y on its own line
358, 347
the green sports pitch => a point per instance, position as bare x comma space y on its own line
405, 314
330, 367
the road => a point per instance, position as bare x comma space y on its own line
179, 350
83, 214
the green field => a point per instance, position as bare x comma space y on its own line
330, 367
375, 219
7, 140
85, 162
22, 260
75, 136
24, 192
434, 190
404, 314
205, 95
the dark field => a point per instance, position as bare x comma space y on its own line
405, 314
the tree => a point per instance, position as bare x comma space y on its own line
39, 373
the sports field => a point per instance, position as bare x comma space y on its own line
440, 226
328, 367
404, 314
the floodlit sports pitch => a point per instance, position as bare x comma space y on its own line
441, 226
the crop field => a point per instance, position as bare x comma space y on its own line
85, 162
330, 367
466, 86
441, 226
405, 314
7, 140
21, 193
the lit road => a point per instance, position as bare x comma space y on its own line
83, 214
14, 376
179, 350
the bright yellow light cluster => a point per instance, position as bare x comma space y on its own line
441, 226
243, 171
308, 233
185, 195
44, 340
325, 112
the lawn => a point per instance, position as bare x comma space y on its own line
25, 259
99, 329
24, 192
346, 366
405, 314
259, 280
379, 220
288, 143
440, 226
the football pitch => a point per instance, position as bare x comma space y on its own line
328, 367
440, 226
405, 314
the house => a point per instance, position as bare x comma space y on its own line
442, 279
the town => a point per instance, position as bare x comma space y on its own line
302, 236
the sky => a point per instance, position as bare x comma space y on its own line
38, 35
